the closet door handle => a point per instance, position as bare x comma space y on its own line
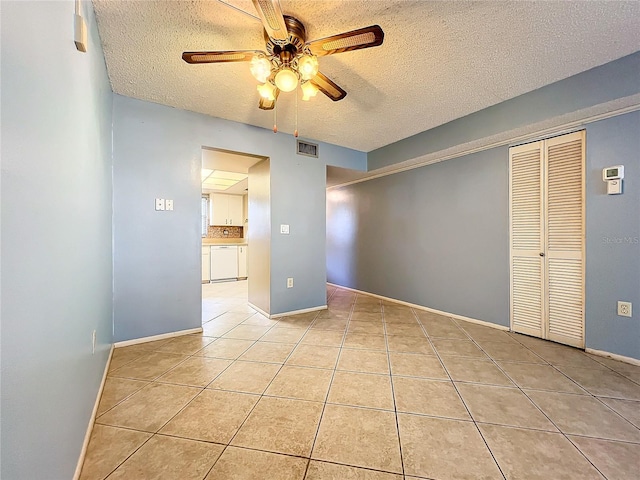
542, 254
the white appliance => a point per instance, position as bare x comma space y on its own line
224, 262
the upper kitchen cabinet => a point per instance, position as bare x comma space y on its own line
226, 210
235, 210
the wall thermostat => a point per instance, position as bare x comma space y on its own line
613, 173
613, 176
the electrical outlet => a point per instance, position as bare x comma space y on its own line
624, 309
168, 204
159, 204
290, 282
93, 342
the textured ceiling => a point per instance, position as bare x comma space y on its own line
439, 61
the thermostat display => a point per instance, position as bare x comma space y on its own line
613, 173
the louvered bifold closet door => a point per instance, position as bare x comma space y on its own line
565, 238
526, 239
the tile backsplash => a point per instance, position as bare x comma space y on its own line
219, 232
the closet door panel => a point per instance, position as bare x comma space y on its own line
566, 310
526, 296
565, 238
526, 234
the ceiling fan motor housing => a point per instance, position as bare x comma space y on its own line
293, 45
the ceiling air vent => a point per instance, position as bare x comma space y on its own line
308, 149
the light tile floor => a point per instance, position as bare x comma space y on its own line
367, 390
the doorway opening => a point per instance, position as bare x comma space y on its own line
225, 230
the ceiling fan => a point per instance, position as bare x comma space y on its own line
291, 60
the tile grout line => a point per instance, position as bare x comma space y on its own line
228, 444
324, 405
224, 449
262, 395
335, 369
130, 455
586, 394
149, 382
484, 440
120, 401
202, 389
595, 359
393, 392
536, 405
153, 434
233, 361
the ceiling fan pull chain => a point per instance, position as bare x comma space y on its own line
295, 132
275, 117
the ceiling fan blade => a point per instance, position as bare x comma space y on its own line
344, 42
220, 56
268, 104
328, 87
272, 19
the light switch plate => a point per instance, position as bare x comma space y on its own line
290, 282
168, 204
284, 229
159, 204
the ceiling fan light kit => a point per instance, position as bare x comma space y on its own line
286, 79
267, 91
289, 59
260, 68
308, 66
309, 90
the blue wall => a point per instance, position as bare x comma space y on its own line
298, 199
56, 236
436, 236
157, 153
613, 236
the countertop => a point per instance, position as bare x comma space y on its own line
223, 241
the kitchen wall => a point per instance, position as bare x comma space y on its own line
157, 153
438, 235
56, 236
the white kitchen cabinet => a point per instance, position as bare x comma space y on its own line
235, 211
242, 261
206, 264
226, 210
219, 205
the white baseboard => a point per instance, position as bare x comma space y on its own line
162, 336
601, 353
259, 310
298, 312
426, 309
286, 314
614, 356
87, 435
